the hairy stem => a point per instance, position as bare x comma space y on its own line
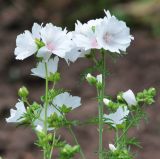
116, 136
100, 107
46, 107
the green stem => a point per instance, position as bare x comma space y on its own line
54, 136
76, 141
100, 108
94, 57
125, 131
116, 136
72, 133
46, 107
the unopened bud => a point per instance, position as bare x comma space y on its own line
112, 147
99, 81
106, 101
23, 92
91, 79
119, 97
153, 91
55, 77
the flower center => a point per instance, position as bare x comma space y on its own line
50, 46
94, 43
107, 37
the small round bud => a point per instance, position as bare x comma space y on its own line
55, 77
23, 92
153, 91
119, 97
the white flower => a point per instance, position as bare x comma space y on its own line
85, 36
67, 100
99, 78
106, 101
56, 41
94, 22
129, 97
16, 115
75, 53
40, 121
112, 34
61, 99
118, 117
52, 65
25, 43
112, 147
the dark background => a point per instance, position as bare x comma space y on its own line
137, 70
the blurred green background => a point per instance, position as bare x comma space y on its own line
137, 70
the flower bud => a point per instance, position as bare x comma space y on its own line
120, 98
129, 97
54, 77
106, 101
99, 78
152, 91
112, 147
99, 81
23, 92
91, 79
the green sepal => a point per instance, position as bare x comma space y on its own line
54, 77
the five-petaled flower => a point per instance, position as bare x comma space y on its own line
118, 117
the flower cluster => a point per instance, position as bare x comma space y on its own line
128, 113
65, 98
106, 33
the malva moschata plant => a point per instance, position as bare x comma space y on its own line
94, 40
